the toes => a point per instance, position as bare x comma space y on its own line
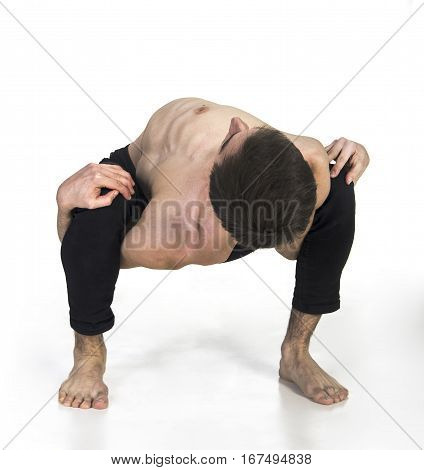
77, 401
339, 394
343, 394
68, 400
86, 403
62, 396
336, 393
331, 391
100, 402
322, 397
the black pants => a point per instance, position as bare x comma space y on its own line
91, 250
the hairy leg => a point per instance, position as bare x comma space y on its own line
84, 387
91, 255
297, 365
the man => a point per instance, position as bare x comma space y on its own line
203, 184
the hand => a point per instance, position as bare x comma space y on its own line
83, 188
346, 151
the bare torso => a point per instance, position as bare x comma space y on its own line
173, 157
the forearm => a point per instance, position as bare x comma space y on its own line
63, 221
64, 216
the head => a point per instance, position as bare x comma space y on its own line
261, 188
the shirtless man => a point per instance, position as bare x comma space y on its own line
193, 155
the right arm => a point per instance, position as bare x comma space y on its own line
83, 188
63, 220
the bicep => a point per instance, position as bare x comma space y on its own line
152, 242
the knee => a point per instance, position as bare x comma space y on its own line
102, 219
94, 231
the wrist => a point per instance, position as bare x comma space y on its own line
62, 204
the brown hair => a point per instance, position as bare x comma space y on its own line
265, 193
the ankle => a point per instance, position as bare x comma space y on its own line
89, 366
294, 348
86, 346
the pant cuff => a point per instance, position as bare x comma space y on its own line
92, 330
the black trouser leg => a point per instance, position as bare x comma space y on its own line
91, 257
91, 251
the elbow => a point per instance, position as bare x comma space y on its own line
129, 259
126, 264
157, 259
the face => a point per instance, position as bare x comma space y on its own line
237, 134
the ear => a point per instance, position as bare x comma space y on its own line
237, 125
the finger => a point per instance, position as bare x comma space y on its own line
124, 178
99, 171
336, 149
330, 145
354, 174
119, 177
112, 183
119, 170
347, 151
122, 173
105, 200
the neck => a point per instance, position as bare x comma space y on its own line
135, 152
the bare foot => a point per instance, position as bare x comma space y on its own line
84, 387
299, 367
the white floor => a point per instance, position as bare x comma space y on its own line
196, 365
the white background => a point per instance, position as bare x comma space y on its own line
196, 365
